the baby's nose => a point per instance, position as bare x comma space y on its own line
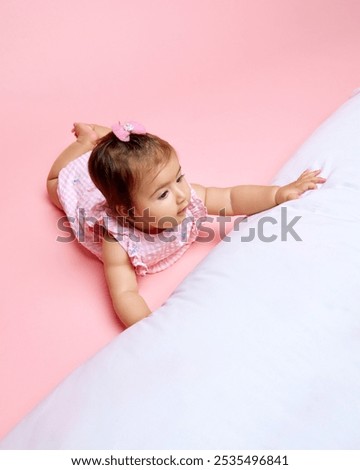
180, 195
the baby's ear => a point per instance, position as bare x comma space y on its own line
123, 211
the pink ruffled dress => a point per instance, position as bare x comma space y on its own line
87, 212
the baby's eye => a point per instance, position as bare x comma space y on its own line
163, 195
180, 178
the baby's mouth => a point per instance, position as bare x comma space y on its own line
183, 210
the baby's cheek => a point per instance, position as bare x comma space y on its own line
188, 192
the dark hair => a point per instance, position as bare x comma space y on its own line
117, 168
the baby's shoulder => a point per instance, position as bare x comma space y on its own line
197, 204
198, 191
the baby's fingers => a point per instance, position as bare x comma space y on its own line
315, 179
309, 174
304, 173
312, 184
312, 178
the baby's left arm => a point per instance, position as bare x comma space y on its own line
251, 199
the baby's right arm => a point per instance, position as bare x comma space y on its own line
121, 279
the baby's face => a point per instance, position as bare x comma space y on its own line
162, 198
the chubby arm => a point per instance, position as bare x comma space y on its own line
121, 279
251, 199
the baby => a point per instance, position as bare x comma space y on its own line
126, 197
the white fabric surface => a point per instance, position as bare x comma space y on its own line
259, 348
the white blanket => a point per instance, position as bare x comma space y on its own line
259, 348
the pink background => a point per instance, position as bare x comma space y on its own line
235, 85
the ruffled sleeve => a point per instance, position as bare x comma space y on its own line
131, 240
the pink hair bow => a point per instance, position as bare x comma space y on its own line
123, 131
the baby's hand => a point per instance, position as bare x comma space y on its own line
307, 180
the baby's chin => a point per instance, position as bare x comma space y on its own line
171, 222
